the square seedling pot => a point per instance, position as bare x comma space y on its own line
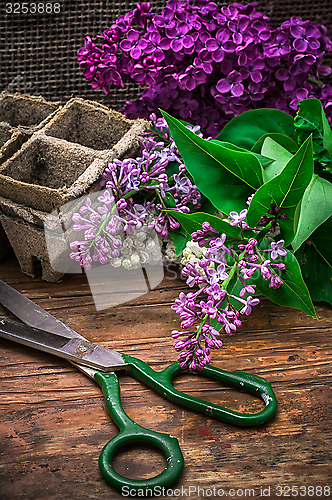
20, 117
25, 229
46, 172
11, 139
6, 133
29, 113
89, 124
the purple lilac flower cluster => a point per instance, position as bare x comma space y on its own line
212, 307
206, 64
116, 214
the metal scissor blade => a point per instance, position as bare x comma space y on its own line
74, 349
32, 314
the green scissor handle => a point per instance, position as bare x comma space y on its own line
162, 383
130, 432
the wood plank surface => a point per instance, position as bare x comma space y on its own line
54, 424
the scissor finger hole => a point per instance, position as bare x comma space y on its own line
138, 461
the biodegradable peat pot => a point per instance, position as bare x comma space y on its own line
6, 133
26, 236
89, 124
29, 113
49, 171
20, 117
11, 139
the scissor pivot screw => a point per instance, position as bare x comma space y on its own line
82, 350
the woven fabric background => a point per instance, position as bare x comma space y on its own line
38, 51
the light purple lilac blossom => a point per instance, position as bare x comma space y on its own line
206, 64
212, 308
117, 214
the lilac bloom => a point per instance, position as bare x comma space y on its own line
106, 198
289, 82
231, 84
239, 28
165, 19
144, 74
305, 37
180, 303
215, 292
219, 45
263, 31
179, 37
302, 63
218, 243
277, 249
238, 218
253, 69
204, 62
133, 44
112, 77
186, 104
183, 184
248, 304
275, 282
278, 46
206, 8
192, 78
218, 274
109, 54
154, 39
208, 308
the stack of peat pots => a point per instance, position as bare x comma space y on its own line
51, 155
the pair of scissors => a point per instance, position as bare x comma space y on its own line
43, 331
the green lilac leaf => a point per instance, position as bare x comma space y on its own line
169, 201
317, 274
172, 168
180, 238
286, 191
322, 239
206, 206
284, 141
276, 152
263, 160
192, 222
311, 119
227, 191
316, 268
293, 292
247, 128
316, 208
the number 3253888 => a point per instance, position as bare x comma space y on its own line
33, 8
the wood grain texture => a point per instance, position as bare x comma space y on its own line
54, 423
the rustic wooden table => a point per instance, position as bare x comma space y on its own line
54, 423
